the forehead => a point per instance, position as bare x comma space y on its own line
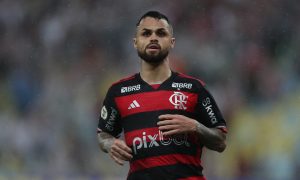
153, 24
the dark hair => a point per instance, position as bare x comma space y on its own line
153, 14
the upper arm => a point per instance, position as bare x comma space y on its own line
211, 117
109, 120
209, 112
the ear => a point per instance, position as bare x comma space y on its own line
172, 42
134, 43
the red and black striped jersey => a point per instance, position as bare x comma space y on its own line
132, 106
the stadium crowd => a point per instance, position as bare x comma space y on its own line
57, 59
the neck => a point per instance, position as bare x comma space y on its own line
155, 73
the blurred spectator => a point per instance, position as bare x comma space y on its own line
58, 57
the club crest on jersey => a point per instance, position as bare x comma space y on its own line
179, 100
130, 88
182, 85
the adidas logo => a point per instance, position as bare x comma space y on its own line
134, 104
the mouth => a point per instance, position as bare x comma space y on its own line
153, 46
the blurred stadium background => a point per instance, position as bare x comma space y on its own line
57, 59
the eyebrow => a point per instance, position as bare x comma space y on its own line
167, 30
159, 29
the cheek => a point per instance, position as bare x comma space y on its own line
140, 44
140, 48
166, 45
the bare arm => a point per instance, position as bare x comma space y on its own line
117, 148
212, 138
105, 141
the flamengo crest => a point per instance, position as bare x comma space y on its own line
179, 100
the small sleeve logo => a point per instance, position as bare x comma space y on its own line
104, 113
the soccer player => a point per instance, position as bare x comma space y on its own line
166, 117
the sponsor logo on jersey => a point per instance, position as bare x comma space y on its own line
208, 107
182, 85
149, 141
134, 104
130, 88
179, 100
112, 119
104, 113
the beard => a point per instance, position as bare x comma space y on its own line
153, 58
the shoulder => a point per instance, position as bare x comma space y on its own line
122, 84
191, 79
124, 80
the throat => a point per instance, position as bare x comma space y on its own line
156, 77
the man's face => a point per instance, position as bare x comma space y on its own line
153, 40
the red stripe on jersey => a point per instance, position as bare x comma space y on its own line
194, 178
158, 100
164, 160
129, 136
190, 77
155, 86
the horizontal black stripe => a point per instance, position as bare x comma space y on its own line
149, 119
166, 172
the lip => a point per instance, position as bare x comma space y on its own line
153, 46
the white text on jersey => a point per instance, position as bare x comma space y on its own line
130, 88
207, 105
158, 140
182, 85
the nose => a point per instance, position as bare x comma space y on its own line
153, 41
153, 38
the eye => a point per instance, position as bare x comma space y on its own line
161, 33
146, 33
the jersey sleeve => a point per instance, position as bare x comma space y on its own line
209, 113
109, 120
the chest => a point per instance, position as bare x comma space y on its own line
156, 101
